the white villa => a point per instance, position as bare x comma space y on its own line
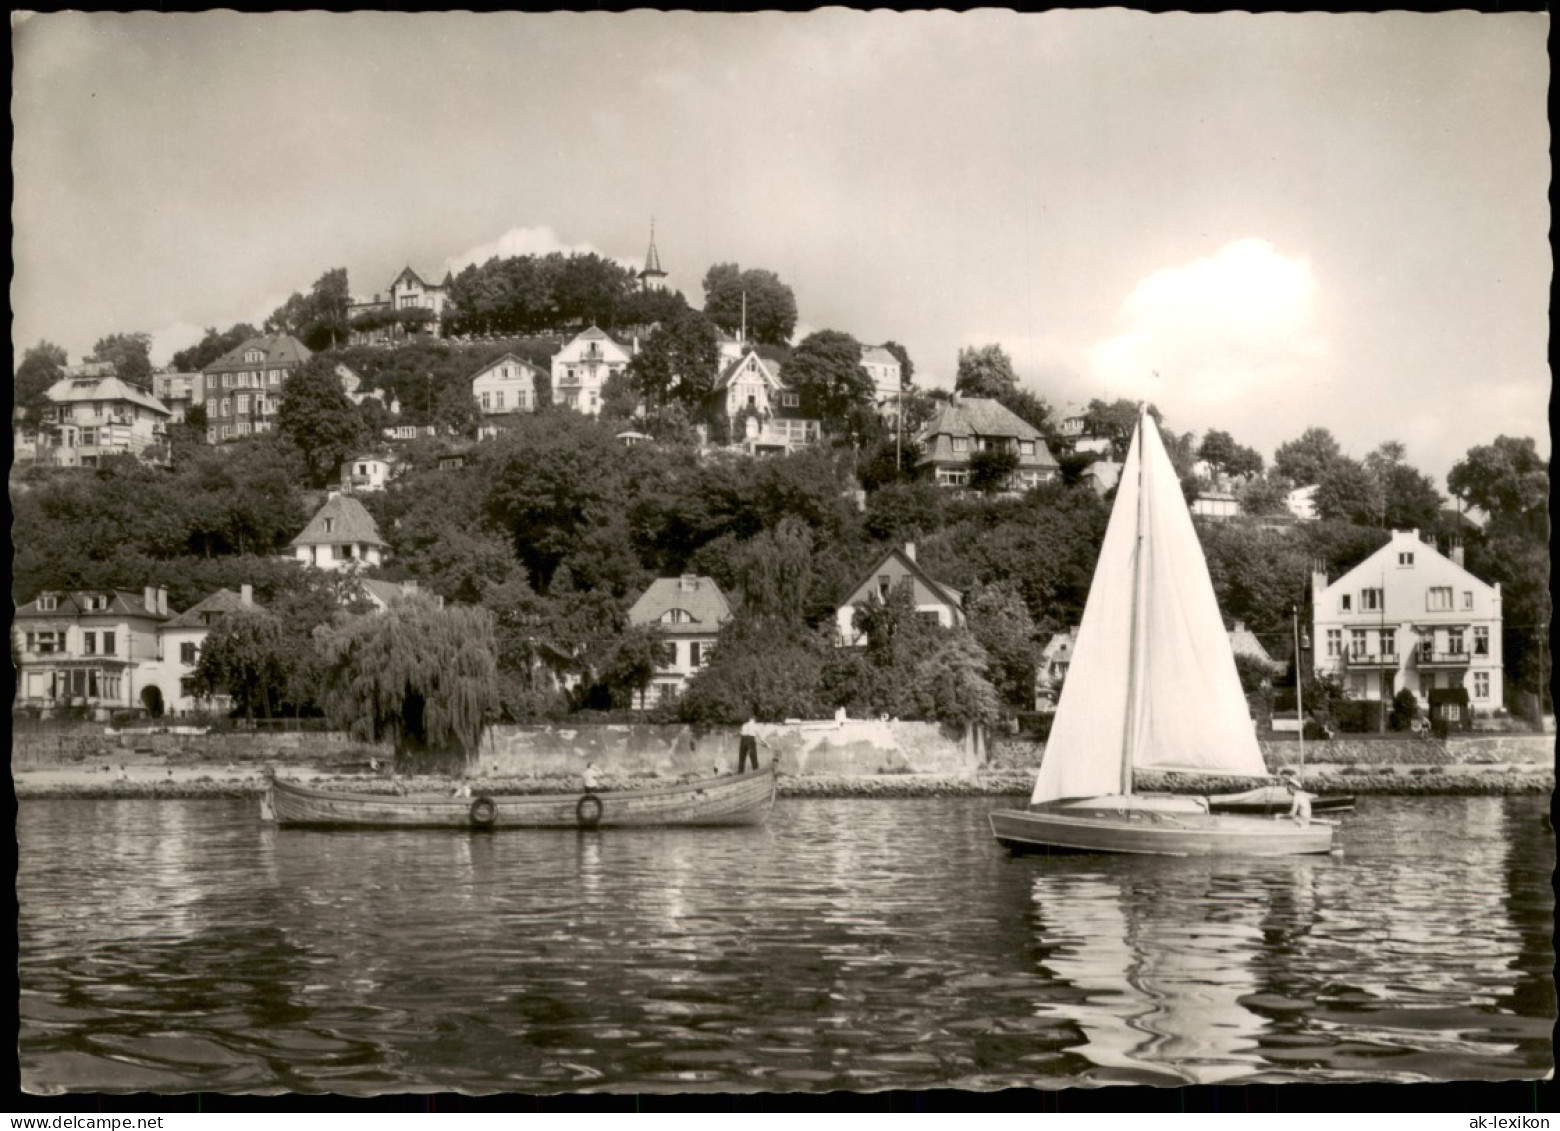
507, 384
581, 368
1410, 617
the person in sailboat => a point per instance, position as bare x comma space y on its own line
1300, 800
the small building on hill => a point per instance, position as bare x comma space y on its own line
242, 389
581, 368
342, 535
90, 418
964, 426
506, 385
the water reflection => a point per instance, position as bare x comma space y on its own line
849, 944
1162, 992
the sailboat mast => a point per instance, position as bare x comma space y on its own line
1134, 650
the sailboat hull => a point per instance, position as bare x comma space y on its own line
1145, 832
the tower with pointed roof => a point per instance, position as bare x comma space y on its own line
652, 278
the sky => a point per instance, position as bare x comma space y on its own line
1259, 223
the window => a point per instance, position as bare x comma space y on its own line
108, 644
276, 376
226, 407
259, 404
665, 693
676, 616
1370, 600
330, 525
187, 654
486, 401
1467, 598
347, 552
1388, 642
31, 642
520, 398
211, 435
253, 355
362, 469
1357, 638
790, 400
1335, 641
1343, 603
1481, 641
1454, 641
695, 653
928, 616
243, 404
50, 643
961, 444
211, 380
498, 399
1439, 598
1406, 559
89, 643
226, 431
1481, 685
1026, 447
48, 603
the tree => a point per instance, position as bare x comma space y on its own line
991, 469
679, 359
1261, 495
1000, 622
826, 370
211, 347
1227, 458
1508, 480
456, 410
1347, 492
40, 368
1306, 460
770, 305
775, 571
246, 657
985, 371
132, 357
316, 415
423, 676
318, 319
766, 669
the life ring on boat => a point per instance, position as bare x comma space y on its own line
588, 811
483, 812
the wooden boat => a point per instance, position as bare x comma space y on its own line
1152, 686
740, 799
1266, 800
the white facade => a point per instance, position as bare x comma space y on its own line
886, 373
581, 368
367, 473
1409, 617
1302, 503
89, 418
87, 649
505, 386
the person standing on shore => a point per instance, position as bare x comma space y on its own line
590, 778
747, 746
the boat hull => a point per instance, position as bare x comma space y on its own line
1145, 832
740, 799
1271, 799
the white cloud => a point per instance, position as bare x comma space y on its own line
1234, 325
527, 241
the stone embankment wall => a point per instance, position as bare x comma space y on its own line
851, 747
63, 745
1016, 753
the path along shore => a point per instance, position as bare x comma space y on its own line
110, 780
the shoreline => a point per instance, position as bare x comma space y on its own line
212, 783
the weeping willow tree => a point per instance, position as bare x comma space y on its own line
422, 676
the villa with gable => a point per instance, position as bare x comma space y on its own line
581, 368
688, 612
934, 602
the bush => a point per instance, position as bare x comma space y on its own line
1358, 716
1035, 724
1405, 709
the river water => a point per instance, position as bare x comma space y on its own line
850, 944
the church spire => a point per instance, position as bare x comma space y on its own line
652, 278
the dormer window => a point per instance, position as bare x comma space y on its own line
48, 603
1406, 559
676, 616
330, 525
253, 355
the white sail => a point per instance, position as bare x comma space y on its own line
1175, 686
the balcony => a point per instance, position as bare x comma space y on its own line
1373, 661
1443, 658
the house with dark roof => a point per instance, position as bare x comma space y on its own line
382, 594
242, 389
688, 612
764, 414
962, 426
342, 535
86, 648
179, 643
897, 569
89, 418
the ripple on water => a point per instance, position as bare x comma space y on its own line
850, 944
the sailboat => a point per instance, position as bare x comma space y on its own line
1152, 686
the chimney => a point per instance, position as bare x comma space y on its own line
1240, 626
246, 594
162, 599
1455, 551
149, 599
